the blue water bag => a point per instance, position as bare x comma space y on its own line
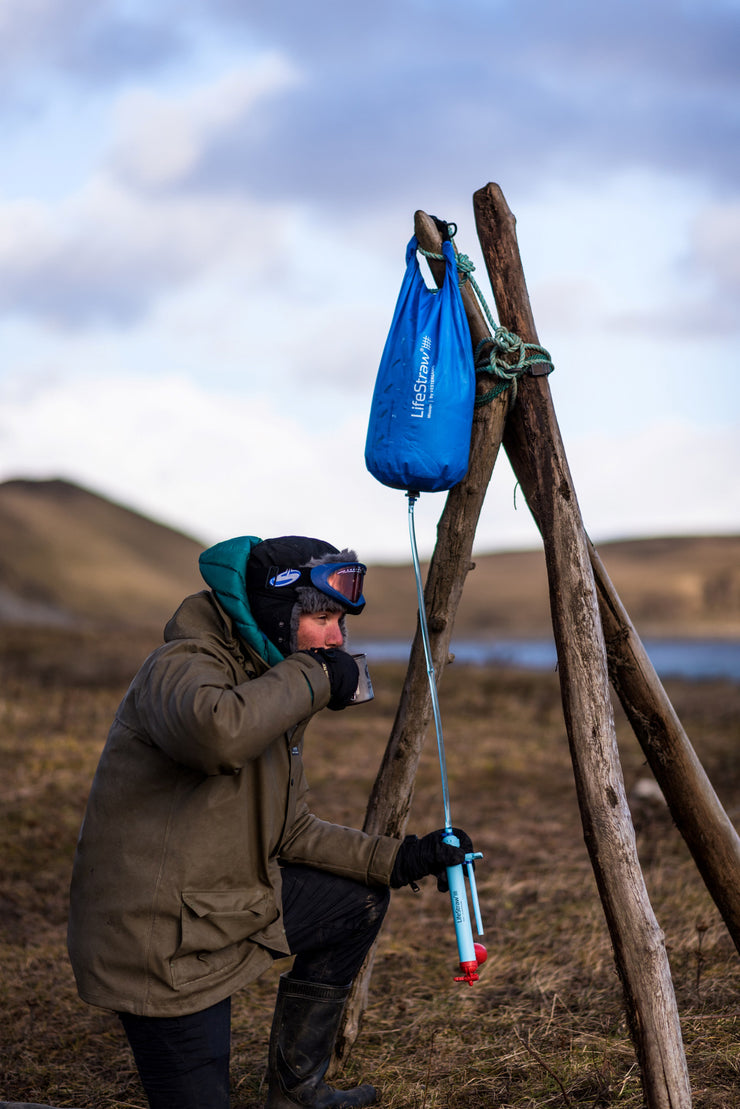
421, 415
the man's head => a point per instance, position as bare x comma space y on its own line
300, 589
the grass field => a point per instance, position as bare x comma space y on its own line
543, 1027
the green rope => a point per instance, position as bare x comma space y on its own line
509, 357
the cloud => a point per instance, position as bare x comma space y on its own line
130, 236
715, 252
210, 462
104, 254
514, 91
393, 93
161, 138
641, 255
215, 463
352, 119
83, 41
186, 455
671, 478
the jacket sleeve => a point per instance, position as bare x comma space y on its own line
345, 851
187, 704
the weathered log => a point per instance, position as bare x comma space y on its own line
392, 793
696, 810
533, 443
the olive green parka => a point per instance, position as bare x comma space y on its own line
199, 794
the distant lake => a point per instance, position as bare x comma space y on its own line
672, 658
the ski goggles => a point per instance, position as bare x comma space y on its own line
342, 581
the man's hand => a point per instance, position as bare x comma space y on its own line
342, 672
429, 855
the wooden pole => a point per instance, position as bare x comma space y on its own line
392, 792
696, 810
532, 437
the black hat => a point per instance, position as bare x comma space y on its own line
277, 604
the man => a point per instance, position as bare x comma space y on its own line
199, 860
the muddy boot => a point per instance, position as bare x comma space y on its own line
304, 1028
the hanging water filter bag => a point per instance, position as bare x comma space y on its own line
421, 414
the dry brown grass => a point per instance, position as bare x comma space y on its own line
544, 1026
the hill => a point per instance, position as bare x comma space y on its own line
685, 586
69, 556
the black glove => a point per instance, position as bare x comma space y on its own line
343, 674
429, 855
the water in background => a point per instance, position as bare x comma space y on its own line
672, 658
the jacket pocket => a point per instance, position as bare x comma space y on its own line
214, 927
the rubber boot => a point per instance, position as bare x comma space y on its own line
304, 1029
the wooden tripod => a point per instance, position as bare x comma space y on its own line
596, 643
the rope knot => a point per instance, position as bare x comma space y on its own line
464, 268
508, 342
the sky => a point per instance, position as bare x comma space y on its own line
204, 210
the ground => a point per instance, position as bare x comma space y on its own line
545, 1024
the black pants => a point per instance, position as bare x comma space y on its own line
331, 924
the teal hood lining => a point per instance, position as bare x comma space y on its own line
224, 569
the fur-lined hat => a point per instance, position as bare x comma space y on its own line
277, 605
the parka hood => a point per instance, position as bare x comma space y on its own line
223, 567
